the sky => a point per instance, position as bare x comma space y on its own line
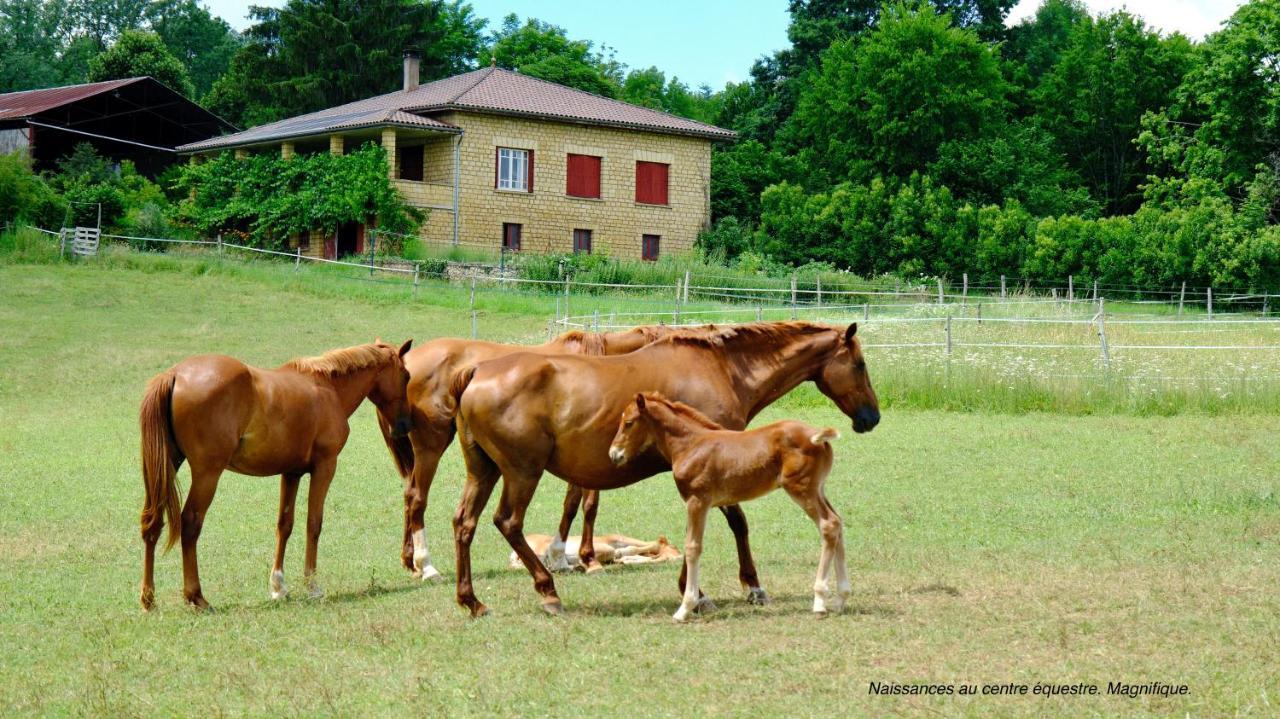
711, 42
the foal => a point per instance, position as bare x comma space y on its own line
714, 466
217, 413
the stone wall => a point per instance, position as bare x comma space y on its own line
547, 214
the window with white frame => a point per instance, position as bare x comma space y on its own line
513, 169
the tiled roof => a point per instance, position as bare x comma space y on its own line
490, 90
32, 102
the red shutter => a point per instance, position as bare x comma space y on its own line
583, 178
651, 183
529, 169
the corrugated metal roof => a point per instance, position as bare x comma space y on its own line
489, 90
31, 102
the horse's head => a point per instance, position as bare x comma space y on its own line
635, 433
845, 380
390, 393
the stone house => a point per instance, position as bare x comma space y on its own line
501, 159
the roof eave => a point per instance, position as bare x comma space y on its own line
721, 134
190, 148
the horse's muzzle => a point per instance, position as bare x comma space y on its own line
865, 420
401, 426
617, 456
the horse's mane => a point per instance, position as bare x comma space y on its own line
684, 411
717, 337
340, 361
587, 343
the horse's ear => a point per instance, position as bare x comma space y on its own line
640, 401
405, 347
849, 333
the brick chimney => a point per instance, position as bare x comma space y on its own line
412, 61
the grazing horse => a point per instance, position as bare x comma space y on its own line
431, 366
714, 466
524, 414
217, 413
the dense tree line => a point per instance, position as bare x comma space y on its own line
917, 136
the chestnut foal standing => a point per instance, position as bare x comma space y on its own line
714, 466
217, 413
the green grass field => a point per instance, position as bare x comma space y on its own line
1097, 546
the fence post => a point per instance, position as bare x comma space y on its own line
1071, 288
297, 258
676, 314
219, 245
550, 332
793, 296
1095, 290
1209, 301
948, 334
759, 314
373, 245
1265, 298
964, 293
940, 290
557, 308
473, 291
1182, 296
1002, 290
685, 297
819, 280
473, 324
568, 279
1102, 333
979, 313
866, 311
595, 320
417, 266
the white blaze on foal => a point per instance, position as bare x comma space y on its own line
715, 467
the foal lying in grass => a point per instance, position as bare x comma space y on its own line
714, 466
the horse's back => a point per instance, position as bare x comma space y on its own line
211, 403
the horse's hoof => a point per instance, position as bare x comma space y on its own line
479, 610
594, 566
554, 608
430, 575
680, 617
278, 596
704, 605
821, 614
756, 595
315, 593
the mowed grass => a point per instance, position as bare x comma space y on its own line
984, 548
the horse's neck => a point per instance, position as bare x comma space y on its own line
763, 372
674, 433
352, 387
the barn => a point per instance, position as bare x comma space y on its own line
137, 119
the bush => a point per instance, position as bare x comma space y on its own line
25, 197
727, 239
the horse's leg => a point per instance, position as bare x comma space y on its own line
428, 447
482, 475
737, 520
843, 586
321, 476
556, 560
149, 539
697, 524
204, 482
517, 491
586, 548
829, 528
284, 527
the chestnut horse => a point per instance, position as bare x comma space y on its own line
431, 366
714, 466
523, 414
218, 413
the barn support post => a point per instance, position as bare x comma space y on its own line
1182, 297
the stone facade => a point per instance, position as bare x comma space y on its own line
548, 215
